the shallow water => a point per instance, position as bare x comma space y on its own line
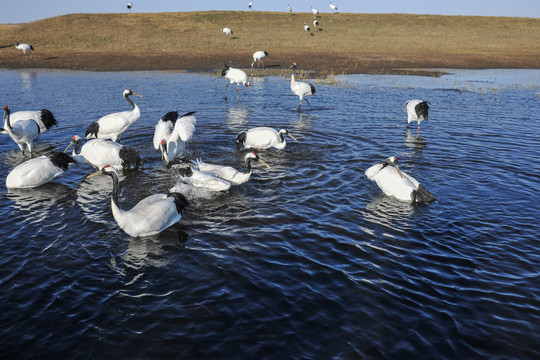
308, 259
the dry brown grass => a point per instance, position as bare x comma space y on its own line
347, 43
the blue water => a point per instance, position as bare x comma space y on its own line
309, 259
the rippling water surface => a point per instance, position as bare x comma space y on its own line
309, 259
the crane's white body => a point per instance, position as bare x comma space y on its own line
34, 172
229, 173
315, 22
226, 31
394, 182
301, 89
289, 8
391, 183
25, 48
237, 76
306, 27
314, 11
23, 132
258, 56
113, 125
98, 153
265, 138
149, 216
37, 116
332, 6
206, 180
175, 134
412, 115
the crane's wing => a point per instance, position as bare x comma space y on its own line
162, 131
185, 126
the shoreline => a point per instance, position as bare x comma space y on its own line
99, 62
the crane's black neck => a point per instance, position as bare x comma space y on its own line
248, 164
8, 122
78, 145
130, 102
114, 195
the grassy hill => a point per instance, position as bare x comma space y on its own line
345, 42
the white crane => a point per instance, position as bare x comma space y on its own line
263, 138
417, 110
332, 6
23, 132
229, 173
306, 27
151, 215
101, 152
113, 125
25, 48
205, 180
44, 118
257, 58
38, 171
250, 5
226, 31
172, 132
289, 8
235, 76
393, 182
129, 6
300, 88
314, 11
315, 22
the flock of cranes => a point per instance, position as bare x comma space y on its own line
158, 212
315, 12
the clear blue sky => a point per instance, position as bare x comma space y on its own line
17, 11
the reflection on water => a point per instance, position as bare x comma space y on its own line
38, 200
415, 141
237, 115
157, 251
27, 79
93, 197
387, 211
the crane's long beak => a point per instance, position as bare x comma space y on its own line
292, 137
263, 162
94, 174
71, 143
399, 171
136, 94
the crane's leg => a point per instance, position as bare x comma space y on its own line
226, 88
308, 103
300, 104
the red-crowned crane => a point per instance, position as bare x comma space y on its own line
263, 138
113, 125
417, 110
151, 215
257, 58
235, 76
393, 182
300, 88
